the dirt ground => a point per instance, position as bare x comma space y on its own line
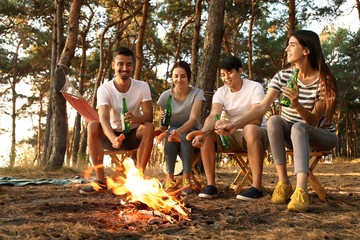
60, 212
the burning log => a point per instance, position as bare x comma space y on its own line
155, 213
147, 191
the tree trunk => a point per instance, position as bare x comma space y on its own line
292, 23
211, 52
59, 123
39, 132
195, 42
77, 125
337, 149
358, 7
226, 45
82, 147
56, 48
140, 41
347, 127
354, 135
251, 22
13, 114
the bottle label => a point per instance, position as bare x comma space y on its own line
123, 125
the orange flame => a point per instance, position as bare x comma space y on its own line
149, 191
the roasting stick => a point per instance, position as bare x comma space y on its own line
177, 191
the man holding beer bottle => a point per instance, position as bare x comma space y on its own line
112, 97
235, 98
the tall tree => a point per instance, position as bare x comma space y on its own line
211, 52
251, 22
195, 41
59, 121
84, 47
140, 40
291, 28
57, 45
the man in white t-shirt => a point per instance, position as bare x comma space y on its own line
107, 132
235, 98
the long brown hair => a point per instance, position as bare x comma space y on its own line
327, 81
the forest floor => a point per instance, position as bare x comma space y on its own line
60, 212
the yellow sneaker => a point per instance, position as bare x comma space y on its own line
281, 193
169, 184
299, 201
186, 182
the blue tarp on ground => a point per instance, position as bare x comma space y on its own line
11, 181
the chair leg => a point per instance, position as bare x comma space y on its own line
118, 161
245, 170
313, 181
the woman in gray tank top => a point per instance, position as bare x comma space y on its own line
186, 107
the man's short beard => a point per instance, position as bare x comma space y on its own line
124, 77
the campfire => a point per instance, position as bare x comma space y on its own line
149, 192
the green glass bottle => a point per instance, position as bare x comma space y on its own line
125, 126
225, 142
167, 113
284, 101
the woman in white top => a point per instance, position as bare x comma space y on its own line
186, 107
306, 124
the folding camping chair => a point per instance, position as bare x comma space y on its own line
73, 96
199, 183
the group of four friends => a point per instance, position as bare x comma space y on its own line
303, 126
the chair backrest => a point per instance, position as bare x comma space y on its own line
72, 95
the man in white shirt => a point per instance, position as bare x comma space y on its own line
108, 130
235, 98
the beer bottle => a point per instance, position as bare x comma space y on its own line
167, 113
284, 101
225, 142
125, 126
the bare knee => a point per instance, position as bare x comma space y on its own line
252, 133
146, 129
94, 129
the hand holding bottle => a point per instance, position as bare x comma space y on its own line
285, 101
166, 115
125, 118
292, 94
225, 142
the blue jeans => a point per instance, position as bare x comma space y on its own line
301, 137
172, 149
